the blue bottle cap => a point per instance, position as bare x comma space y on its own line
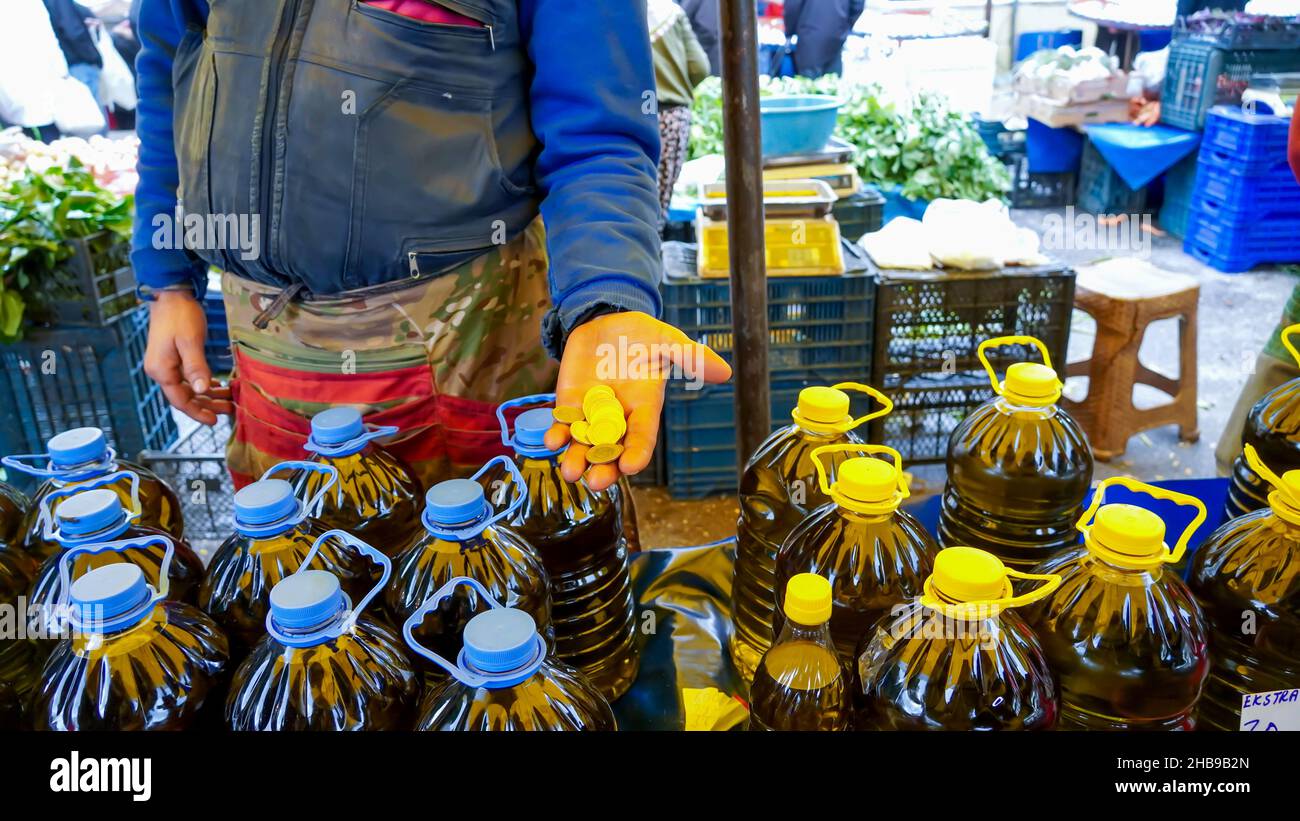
336, 426
77, 447
108, 593
89, 512
310, 598
531, 427
265, 502
455, 501
500, 640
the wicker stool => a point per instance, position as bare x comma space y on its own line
1124, 297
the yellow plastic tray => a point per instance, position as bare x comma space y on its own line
795, 247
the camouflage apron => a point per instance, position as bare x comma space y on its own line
434, 359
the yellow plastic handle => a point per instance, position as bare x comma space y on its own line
1098, 499
1002, 341
1050, 581
989, 607
1287, 333
886, 404
823, 480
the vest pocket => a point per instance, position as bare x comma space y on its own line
194, 80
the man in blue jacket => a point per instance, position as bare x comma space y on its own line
372, 178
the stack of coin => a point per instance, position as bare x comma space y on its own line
599, 423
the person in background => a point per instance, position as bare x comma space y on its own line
680, 65
703, 15
31, 63
1274, 365
820, 29
72, 22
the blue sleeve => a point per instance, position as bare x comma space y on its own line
593, 111
162, 24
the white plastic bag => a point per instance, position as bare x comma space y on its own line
75, 109
116, 84
902, 244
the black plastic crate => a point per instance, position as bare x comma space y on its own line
1201, 76
929, 325
195, 467
1270, 33
95, 286
860, 213
1030, 189
1102, 190
1002, 142
61, 378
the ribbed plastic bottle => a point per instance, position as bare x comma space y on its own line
504, 676
376, 497
13, 512
1246, 577
272, 539
1123, 633
464, 536
959, 658
20, 658
873, 554
578, 533
82, 455
133, 660
801, 683
92, 514
322, 664
1273, 429
1019, 467
777, 491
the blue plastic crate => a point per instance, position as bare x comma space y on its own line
1180, 181
1174, 214
217, 348
1102, 190
1244, 142
1053, 150
1271, 192
1201, 76
1233, 242
68, 377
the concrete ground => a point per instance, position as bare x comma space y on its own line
1236, 315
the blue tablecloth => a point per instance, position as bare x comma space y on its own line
1140, 154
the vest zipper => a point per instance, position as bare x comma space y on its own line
283, 37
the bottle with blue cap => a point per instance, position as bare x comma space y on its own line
504, 677
20, 657
777, 491
92, 513
375, 496
1019, 467
82, 455
958, 657
465, 536
873, 554
1123, 633
323, 664
579, 534
272, 540
132, 659
14, 505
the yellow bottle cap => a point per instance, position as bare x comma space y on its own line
826, 406
1029, 383
808, 599
967, 574
871, 481
1127, 535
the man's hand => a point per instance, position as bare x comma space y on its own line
175, 360
633, 353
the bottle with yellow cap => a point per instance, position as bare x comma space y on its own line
1273, 429
873, 554
800, 683
1019, 467
777, 491
959, 658
1246, 577
1123, 633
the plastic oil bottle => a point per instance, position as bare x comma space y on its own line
95, 516
1246, 577
778, 490
376, 497
800, 683
322, 665
1019, 467
464, 537
579, 535
1273, 429
273, 537
1123, 633
82, 455
873, 555
504, 677
20, 658
13, 512
959, 658
133, 660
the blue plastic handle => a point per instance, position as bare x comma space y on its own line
468, 532
48, 523
26, 464
310, 507
65, 565
459, 672
535, 399
354, 613
352, 445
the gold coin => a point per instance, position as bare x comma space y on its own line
605, 433
596, 390
578, 430
567, 414
597, 398
610, 413
604, 454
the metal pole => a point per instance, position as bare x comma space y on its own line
744, 157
